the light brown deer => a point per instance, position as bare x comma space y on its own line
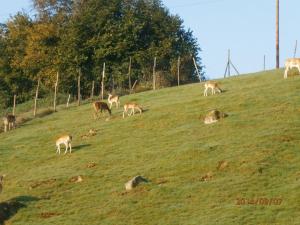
131, 106
66, 140
9, 122
100, 106
291, 63
214, 116
213, 86
113, 99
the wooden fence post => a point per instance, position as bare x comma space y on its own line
196, 67
134, 85
78, 87
129, 75
36, 97
178, 71
14, 107
68, 100
154, 74
55, 92
102, 82
93, 87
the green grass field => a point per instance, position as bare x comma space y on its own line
169, 145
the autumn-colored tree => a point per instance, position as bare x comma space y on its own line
69, 36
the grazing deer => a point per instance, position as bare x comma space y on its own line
291, 63
214, 116
113, 99
9, 122
213, 86
131, 106
100, 106
66, 140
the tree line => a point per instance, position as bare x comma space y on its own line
78, 36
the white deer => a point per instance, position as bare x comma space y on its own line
291, 63
213, 86
66, 140
113, 99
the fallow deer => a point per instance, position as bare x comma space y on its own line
9, 122
113, 99
100, 106
214, 116
291, 63
213, 86
66, 140
131, 106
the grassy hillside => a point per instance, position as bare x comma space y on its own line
169, 145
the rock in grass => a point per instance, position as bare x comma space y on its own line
214, 116
76, 179
222, 165
134, 182
207, 176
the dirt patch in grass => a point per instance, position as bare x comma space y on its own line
46, 215
42, 183
161, 181
283, 138
91, 165
207, 177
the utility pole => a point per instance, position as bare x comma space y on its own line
277, 34
295, 51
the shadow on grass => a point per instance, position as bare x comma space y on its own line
80, 147
145, 110
9, 208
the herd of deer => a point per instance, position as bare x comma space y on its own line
9, 121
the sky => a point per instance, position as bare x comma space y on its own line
245, 27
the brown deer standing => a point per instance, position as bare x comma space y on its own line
100, 106
9, 122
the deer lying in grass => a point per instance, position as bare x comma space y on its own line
100, 106
131, 106
213, 86
291, 63
9, 122
214, 116
66, 140
113, 99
